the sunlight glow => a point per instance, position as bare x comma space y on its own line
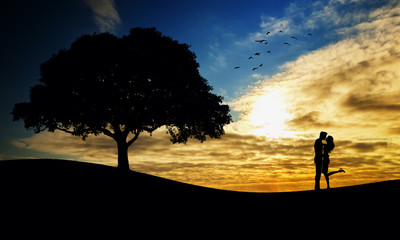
269, 115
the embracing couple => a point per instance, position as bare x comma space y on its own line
323, 147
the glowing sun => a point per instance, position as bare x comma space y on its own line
269, 115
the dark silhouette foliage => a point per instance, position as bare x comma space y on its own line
124, 86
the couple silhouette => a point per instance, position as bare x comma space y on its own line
323, 147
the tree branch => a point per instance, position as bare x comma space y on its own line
65, 130
137, 132
107, 132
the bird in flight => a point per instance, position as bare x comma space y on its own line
251, 58
269, 52
287, 43
267, 33
236, 67
309, 34
261, 64
261, 40
254, 68
294, 37
257, 54
280, 31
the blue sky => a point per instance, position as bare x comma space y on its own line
210, 27
343, 79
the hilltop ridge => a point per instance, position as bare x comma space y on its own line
77, 185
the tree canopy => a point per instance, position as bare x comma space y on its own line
120, 85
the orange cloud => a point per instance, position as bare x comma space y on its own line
236, 162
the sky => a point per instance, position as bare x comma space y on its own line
340, 73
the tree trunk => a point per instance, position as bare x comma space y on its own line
123, 162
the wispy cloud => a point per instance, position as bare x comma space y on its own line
218, 60
105, 14
274, 25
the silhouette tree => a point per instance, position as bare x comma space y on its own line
122, 87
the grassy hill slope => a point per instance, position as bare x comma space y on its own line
68, 186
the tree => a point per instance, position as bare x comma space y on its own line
122, 87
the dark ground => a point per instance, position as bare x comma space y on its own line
59, 190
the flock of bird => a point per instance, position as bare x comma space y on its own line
265, 41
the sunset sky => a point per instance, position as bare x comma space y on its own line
343, 78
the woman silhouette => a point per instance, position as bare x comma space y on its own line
325, 162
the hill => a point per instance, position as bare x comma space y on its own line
60, 187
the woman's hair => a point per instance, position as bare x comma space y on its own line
330, 145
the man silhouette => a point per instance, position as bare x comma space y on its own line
318, 159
